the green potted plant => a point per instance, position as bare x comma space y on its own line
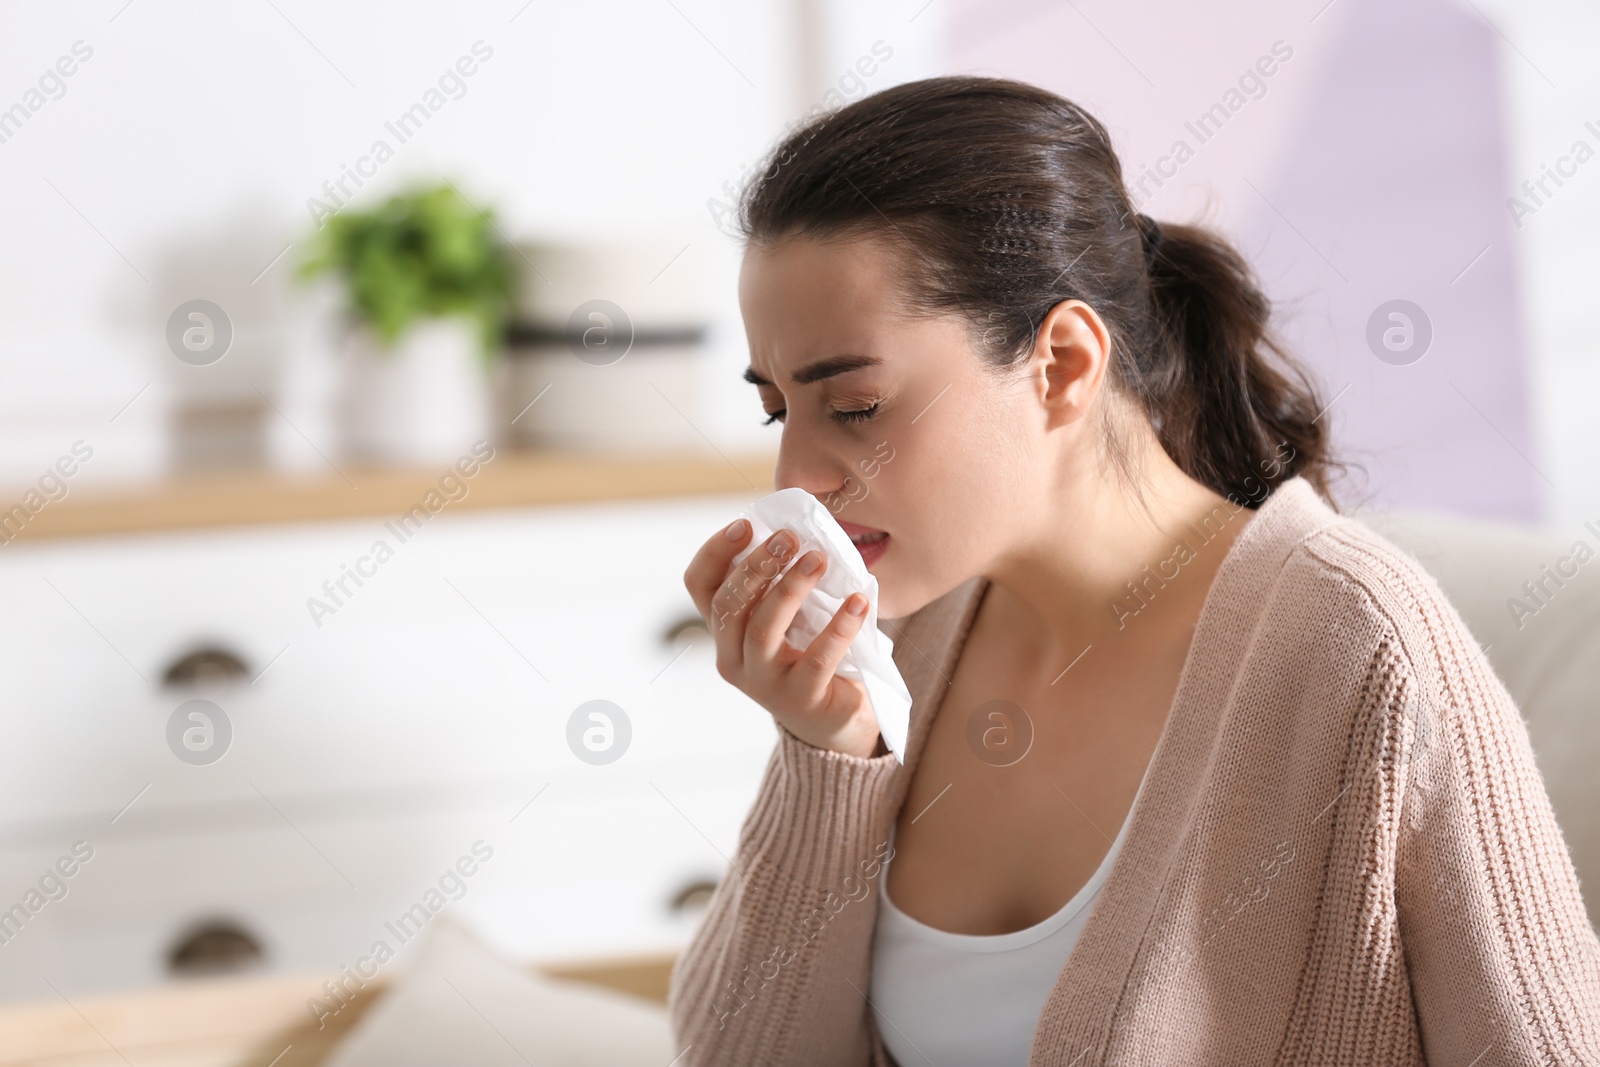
428, 285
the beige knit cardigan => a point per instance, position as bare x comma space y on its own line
1343, 854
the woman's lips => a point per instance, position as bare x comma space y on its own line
870, 541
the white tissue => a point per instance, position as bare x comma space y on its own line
870, 657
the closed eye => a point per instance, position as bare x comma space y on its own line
860, 415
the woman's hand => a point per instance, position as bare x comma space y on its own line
748, 614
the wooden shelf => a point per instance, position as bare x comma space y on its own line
508, 479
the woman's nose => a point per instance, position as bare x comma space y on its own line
808, 469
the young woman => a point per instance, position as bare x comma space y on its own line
1200, 771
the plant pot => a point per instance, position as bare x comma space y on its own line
425, 401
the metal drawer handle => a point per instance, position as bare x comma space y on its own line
693, 896
215, 946
208, 663
690, 627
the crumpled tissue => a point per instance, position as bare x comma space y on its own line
870, 657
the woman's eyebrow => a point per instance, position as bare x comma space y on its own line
822, 368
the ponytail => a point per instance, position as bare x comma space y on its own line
1230, 407
1008, 200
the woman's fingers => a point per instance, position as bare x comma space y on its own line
728, 599
719, 592
772, 617
738, 593
710, 565
815, 669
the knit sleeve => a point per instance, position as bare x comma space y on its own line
777, 972
1503, 964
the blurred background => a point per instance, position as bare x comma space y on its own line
369, 374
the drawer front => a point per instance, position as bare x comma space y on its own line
587, 870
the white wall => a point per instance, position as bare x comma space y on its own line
1547, 49
178, 159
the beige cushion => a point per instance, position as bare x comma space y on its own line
1549, 660
457, 1002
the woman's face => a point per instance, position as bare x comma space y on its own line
894, 424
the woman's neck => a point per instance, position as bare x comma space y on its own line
1096, 567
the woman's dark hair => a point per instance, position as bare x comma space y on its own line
1005, 200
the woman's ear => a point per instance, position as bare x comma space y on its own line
1071, 353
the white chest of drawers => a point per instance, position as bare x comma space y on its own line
371, 751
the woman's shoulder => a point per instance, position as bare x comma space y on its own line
1366, 637
1345, 577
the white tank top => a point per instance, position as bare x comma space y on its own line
963, 999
